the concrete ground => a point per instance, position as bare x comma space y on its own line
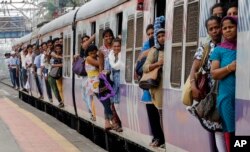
26, 129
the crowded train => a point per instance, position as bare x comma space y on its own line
161, 73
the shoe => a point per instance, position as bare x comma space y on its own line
92, 118
156, 143
61, 105
41, 98
108, 126
50, 100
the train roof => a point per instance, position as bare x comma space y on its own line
24, 39
96, 7
57, 23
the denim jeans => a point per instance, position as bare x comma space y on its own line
24, 77
14, 77
107, 109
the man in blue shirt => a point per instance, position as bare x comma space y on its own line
13, 66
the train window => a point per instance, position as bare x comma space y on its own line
101, 30
129, 50
175, 77
107, 25
67, 57
93, 29
139, 38
191, 35
119, 23
79, 41
160, 8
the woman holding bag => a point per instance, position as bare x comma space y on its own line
155, 60
214, 31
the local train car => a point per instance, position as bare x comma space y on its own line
185, 31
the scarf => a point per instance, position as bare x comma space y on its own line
117, 65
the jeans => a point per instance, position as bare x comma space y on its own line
39, 84
24, 77
107, 109
14, 77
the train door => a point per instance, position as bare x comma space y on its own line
242, 94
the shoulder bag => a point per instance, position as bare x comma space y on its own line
200, 79
152, 78
79, 67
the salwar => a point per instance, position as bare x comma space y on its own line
54, 88
60, 87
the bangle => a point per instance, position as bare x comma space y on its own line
192, 80
228, 69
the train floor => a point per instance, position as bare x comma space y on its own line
23, 128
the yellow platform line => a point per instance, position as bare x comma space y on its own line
64, 143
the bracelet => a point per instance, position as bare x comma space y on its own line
228, 69
192, 80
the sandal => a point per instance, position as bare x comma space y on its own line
155, 143
92, 118
108, 126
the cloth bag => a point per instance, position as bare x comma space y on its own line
56, 72
152, 78
200, 79
206, 108
79, 67
105, 88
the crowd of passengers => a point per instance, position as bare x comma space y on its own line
220, 65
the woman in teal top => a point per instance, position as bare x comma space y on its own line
223, 69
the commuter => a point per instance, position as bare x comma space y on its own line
92, 82
28, 66
116, 65
104, 67
232, 9
214, 31
218, 10
155, 60
38, 73
152, 111
14, 65
85, 42
24, 77
7, 63
45, 69
57, 87
223, 69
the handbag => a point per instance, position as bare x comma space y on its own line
105, 89
200, 79
56, 72
206, 108
79, 67
152, 78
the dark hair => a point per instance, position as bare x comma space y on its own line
217, 5
150, 26
49, 41
232, 20
117, 40
43, 43
59, 45
216, 18
85, 36
108, 30
55, 39
29, 46
232, 4
151, 42
91, 48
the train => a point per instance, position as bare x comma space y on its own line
185, 31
